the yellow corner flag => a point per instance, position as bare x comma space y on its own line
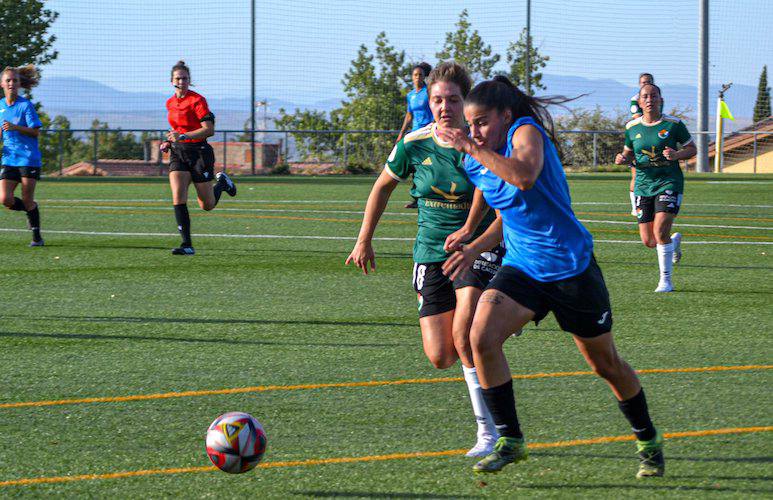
724, 111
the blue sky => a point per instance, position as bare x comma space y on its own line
305, 47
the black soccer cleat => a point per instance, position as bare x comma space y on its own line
228, 185
183, 251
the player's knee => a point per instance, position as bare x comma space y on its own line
608, 367
442, 360
206, 205
649, 242
481, 343
7, 201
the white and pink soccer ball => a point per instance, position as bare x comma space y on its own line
236, 442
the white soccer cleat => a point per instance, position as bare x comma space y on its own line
664, 286
483, 447
676, 239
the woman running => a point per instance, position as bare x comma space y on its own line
446, 197
549, 265
644, 79
191, 157
418, 114
21, 160
657, 142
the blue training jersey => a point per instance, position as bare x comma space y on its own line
418, 107
544, 239
20, 150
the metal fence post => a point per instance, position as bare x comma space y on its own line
60, 150
225, 150
346, 153
287, 147
96, 150
595, 151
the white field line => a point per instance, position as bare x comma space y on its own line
331, 202
334, 238
409, 214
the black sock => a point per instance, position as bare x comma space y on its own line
500, 401
18, 205
635, 410
218, 191
183, 223
33, 217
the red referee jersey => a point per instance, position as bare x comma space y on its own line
186, 113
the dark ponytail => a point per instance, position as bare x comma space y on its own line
501, 94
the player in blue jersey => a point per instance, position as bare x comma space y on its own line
418, 114
21, 160
549, 265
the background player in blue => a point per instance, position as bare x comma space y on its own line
549, 265
418, 113
21, 161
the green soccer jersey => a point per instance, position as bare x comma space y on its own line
654, 173
441, 186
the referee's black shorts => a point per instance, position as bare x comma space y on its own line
198, 158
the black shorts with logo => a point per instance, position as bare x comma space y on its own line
647, 206
16, 173
580, 303
436, 293
198, 158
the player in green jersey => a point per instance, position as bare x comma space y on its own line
445, 199
658, 142
636, 112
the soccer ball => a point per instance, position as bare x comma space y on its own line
235, 442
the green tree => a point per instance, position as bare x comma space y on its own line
317, 146
577, 148
25, 38
762, 104
466, 47
56, 139
516, 58
114, 144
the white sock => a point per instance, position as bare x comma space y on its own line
665, 256
633, 200
482, 415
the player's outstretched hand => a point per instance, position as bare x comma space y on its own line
669, 153
457, 138
363, 255
455, 240
459, 261
620, 159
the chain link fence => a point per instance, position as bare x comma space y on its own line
136, 152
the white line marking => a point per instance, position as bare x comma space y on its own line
331, 202
404, 214
338, 238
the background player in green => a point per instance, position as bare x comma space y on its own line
446, 197
636, 112
658, 142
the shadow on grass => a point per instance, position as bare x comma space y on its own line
648, 485
669, 458
190, 340
371, 494
206, 321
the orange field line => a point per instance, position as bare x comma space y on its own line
376, 458
369, 383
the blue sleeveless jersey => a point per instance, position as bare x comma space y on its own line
19, 150
544, 239
418, 106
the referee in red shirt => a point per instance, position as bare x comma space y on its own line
191, 158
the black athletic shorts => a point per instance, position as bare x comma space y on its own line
198, 158
647, 206
580, 303
436, 292
16, 173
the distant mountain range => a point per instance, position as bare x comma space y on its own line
84, 100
